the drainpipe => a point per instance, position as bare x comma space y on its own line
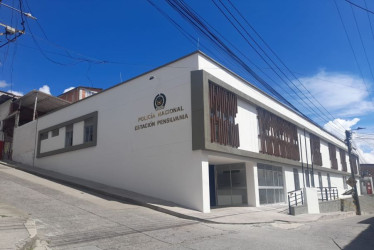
35, 103
302, 161
306, 156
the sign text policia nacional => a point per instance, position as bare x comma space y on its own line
161, 116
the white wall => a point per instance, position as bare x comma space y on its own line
248, 126
156, 161
272, 105
53, 143
24, 143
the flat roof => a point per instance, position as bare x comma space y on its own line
46, 103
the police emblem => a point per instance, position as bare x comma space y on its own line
159, 101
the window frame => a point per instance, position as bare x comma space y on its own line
64, 149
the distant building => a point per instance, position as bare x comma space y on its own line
367, 170
79, 93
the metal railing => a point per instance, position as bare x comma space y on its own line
295, 198
327, 193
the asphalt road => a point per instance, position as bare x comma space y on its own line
68, 218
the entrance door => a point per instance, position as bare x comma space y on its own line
231, 185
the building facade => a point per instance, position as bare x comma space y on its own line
191, 132
79, 93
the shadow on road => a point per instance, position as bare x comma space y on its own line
364, 240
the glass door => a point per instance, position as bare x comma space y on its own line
231, 185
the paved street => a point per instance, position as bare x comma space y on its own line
62, 217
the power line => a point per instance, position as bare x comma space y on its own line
362, 42
350, 45
279, 59
360, 7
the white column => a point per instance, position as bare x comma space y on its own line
252, 184
311, 200
205, 187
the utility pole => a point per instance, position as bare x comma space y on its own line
348, 135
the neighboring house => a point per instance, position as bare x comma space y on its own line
191, 132
367, 170
6, 100
79, 93
18, 110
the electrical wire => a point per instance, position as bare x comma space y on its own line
362, 43
360, 7
350, 45
288, 81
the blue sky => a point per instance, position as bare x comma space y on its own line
134, 37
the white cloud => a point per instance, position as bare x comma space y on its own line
45, 89
68, 89
3, 84
17, 93
338, 126
364, 144
342, 94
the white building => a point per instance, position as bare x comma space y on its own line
191, 132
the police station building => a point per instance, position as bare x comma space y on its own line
191, 132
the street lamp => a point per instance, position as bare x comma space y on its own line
348, 135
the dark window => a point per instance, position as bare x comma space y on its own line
44, 136
342, 159
307, 177
345, 182
88, 130
328, 180
55, 132
315, 145
320, 179
296, 178
69, 136
334, 161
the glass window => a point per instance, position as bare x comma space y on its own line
296, 178
69, 136
88, 130
44, 136
55, 132
307, 177
345, 182
270, 181
320, 179
328, 181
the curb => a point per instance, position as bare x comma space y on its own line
149, 205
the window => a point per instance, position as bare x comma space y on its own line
44, 136
315, 146
277, 136
270, 182
328, 180
342, 159
55, 132
320, 179
345, 182
69, 136
306, 171
296, 178
88, 130
223, 109
334, 161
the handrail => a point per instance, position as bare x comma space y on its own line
295, 198
327, 193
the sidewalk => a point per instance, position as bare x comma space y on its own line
226, 215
